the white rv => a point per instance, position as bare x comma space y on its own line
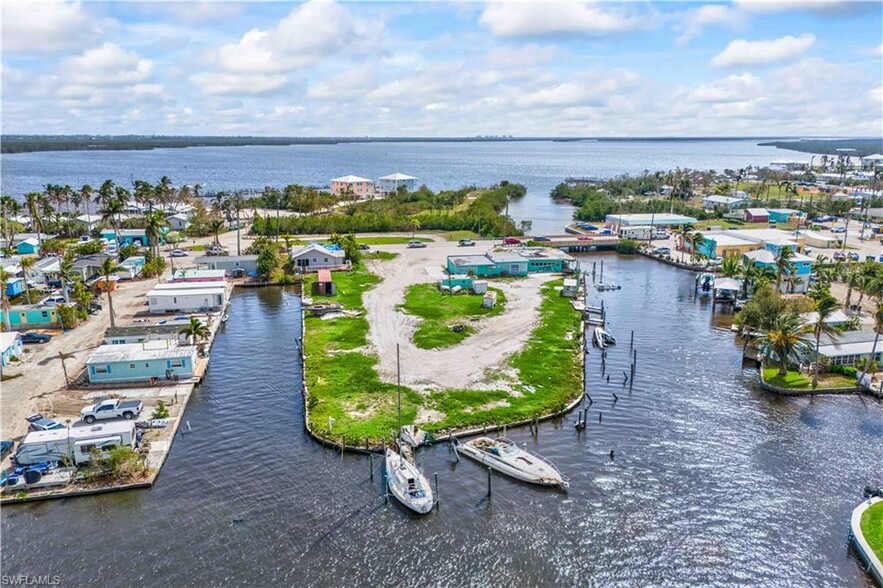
75, 443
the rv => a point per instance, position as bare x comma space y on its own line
75, 443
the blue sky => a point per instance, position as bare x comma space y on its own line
444, 69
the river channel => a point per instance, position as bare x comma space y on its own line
713, 481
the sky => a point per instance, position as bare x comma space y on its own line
747, 68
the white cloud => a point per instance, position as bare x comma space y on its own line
351, 83
232, 84
107, 65
525, 19
741, 52
593, 88
826, 7
735, 88
698, 19
45, 27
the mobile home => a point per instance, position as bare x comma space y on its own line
76, 443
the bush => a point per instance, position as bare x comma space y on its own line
161, 411
628, 247
67, 315
846, 370
124, 463
153, 267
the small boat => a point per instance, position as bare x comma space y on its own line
505, 456
604, 336
225, 317
407, 484
603, 287
306, 301
598, 339
705, 283
412, 436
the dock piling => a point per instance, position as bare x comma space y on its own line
436, 490
489, 476
615, 398
371, 465
601, 278
632, 341
189, 430
600, 414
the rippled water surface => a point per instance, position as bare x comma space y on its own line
714, 482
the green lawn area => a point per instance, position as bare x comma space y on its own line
379, 255
441, 311
799, 381
872, 528
391, 240
729, 224
457, 235
344, 385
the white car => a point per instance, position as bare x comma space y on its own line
838, 230
53, 300
177, 253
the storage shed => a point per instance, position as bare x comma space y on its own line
324, 284
490, 299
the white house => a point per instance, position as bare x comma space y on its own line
391, 183
716, 201
315, 256
872, 161
178, 221
352, 185
236, 266
44, 271
87, 222
187, 297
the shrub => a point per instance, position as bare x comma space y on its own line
628, 246
161, 411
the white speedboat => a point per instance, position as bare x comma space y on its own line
705, 283
407, 484
604, 338
412, 435
506, 457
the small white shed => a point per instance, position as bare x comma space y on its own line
490, 299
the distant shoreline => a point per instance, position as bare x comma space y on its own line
10, 144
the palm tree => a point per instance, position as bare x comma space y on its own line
854, 280
824, 308
782, 343
65, 267
156, 222
108, 268
26, 264
684, 235
64, 356
34, 202
731, 268
215, 226
414, 226
105, 193
878, 326
784, 265
86, 197
195, 331
697, 239
4, 299
110, 213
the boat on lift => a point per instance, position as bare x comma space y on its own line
407, 483
705, 283
506, 457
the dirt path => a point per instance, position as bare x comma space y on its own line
466, 365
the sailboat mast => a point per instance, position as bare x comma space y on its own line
399, 382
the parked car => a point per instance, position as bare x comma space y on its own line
838, 230
542, 239
32, 338
465, 243
177, 253
111, 409
36, 422
512, 241
716, 261
416, 244
53, 300
215, 250
662, 251
853, 256
364, 246
839, 256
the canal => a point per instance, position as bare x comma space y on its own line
713, 482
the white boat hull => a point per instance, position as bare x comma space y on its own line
539, 472
408, 484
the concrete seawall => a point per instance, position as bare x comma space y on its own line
873, 564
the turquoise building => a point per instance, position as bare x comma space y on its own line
130, 236
31, 316
516, 262
14, 287
141, 362
782, 215
10, 347
801, 264
29, 246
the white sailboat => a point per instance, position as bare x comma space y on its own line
407, 483
505, 456
412, 435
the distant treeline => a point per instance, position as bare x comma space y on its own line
405, 212
862, 147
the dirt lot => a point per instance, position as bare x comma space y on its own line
497, 338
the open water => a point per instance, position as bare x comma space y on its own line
714, 481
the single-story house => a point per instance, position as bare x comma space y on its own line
199, 275
782, 215
29, 246
723, 244
179, 221
127, 334
89, 266
718, 202
315, 256
88, 222
136, 362
352, 185
802, 265
187, 297
872, 161
838, 318
516, 262
848, 347
324, 284
46, 271
391, 183
820, 240
26, 316
131, 267
756, 215
14, 286
10, 346
236, 266
645, 218
128, 236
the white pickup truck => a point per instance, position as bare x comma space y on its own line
111, 409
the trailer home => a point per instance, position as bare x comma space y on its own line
75, 443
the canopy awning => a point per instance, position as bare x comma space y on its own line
728, 284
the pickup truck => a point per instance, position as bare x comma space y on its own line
111, 409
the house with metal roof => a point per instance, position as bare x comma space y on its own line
314, 256
187, 297
138, 362
235, 266
352, 186
848, 347
391, 183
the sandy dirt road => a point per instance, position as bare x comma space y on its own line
471, 364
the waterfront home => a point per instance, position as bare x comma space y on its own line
516, 262
761, 237
45, 272
131, 267
315, 256
838, 318
88, 222
14, 286
29, 246
128, 334
801, 266
756, 215
179, 221
848, 347
655, 220
11, 346
352, 186
141, 362
727, 203
236, 266
28, 316
199, 275
187, 297
391, 183
788, 165
89, 266
725, 244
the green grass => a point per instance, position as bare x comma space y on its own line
392, 240
439, 312
872, 528
379, 255
457, 235
725, 223
798, 381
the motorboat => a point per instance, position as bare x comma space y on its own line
306, 301
604, 337
603, 287
506, 457
705, 283
407, 484
412, 435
